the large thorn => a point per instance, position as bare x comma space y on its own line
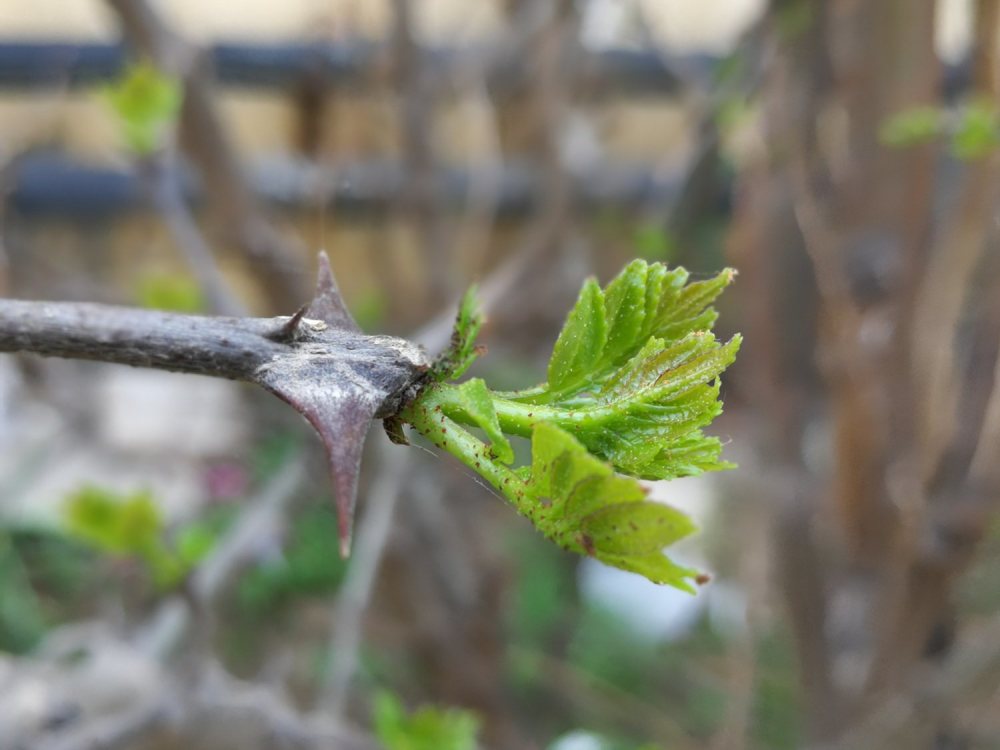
341, 416
339, 380
344, 444
327, 304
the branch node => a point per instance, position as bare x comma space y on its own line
394, 430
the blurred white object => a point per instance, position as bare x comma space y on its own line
67, 465
579, 144
954, 29
603, 23
146, 411
578, 740
149, 426
103, 678
715, 26
658, 613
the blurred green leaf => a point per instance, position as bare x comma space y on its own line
172, 292
146, 102
730, 114
977, 133
912, 127
603, 646
427, 728
777, 708
114, 523
544, 591
22, 619
44, 577
131, 526
139, 523
973, 133
193, 543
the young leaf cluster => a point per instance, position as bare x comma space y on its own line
131, 527
971, 130
633, 379
462, 351
427, 728
634, 373
146, 101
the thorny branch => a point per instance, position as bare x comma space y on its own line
317, 361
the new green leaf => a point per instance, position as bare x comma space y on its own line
462, 351
427, 728
634, 378
477, 404
590, 510
625, 308
581, 342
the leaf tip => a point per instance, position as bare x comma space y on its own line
288, 331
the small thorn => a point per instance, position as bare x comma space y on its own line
290, 328
345, 545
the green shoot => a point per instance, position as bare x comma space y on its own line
633, 379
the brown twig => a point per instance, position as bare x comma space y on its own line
421, 200
168, 197
204, 138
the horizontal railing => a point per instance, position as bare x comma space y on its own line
50, 184
343, 64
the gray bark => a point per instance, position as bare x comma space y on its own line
248, 349
317, 361
222, 347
